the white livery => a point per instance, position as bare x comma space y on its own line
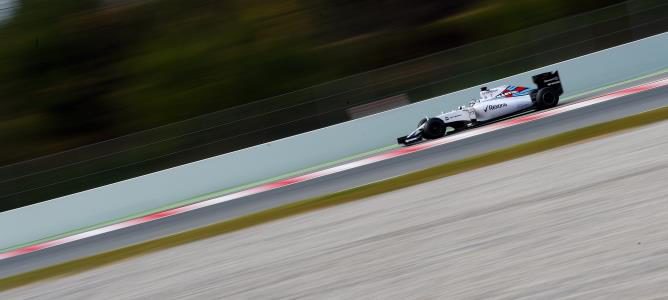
493, 104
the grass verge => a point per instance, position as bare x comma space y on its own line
321, 202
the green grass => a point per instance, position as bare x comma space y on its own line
317, 203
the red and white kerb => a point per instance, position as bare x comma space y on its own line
351, 165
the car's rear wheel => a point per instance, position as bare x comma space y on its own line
434, 128
546, 98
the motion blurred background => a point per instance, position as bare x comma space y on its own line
96, 91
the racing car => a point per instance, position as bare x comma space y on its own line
493, 104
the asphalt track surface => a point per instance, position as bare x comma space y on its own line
585, 221
598, 113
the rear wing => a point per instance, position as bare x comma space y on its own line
549, 79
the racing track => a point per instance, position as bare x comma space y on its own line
584, 221
459, 149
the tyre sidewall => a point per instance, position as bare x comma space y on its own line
435, 128
546, 98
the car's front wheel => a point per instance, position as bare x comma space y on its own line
424, 120
434, 128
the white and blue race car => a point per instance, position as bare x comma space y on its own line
494, 104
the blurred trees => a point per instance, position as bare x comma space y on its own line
74, 72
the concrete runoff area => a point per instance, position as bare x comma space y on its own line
583, 221
634, 110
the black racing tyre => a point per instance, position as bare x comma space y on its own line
435, 128
546, 98
424, 120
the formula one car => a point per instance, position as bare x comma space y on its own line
494, 104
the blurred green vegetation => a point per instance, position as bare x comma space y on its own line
74, 72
